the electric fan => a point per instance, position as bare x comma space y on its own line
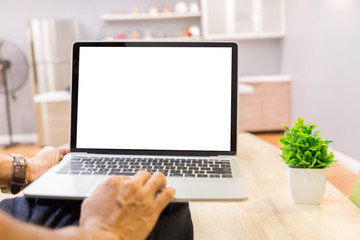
14, 71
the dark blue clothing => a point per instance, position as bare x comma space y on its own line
174, 222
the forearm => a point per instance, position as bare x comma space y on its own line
12, 229
5, 169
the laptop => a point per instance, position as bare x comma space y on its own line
155, 106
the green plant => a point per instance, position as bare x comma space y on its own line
304, 149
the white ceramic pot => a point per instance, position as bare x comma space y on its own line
307, 185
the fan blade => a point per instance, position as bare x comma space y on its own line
15, 67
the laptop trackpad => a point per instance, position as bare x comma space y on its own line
61, 186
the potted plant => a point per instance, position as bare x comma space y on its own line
307, 157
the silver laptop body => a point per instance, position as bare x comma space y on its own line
157, 106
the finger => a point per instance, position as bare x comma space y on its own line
142, 177
123, 178
47, 150
63, 151
164, 197
49, 154
155, 183
114, 181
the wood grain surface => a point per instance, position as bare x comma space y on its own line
269, 213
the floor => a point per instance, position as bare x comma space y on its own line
28, 150
339, 176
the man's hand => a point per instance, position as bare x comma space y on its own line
126, 208
43, 160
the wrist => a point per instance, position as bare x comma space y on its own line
75, 233
18, 174
72, 233
6, 166
30, 171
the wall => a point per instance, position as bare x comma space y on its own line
322, 53
255, 57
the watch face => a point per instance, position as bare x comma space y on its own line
22, 161
19, 160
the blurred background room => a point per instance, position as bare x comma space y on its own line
297, 58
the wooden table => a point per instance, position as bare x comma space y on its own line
269, 213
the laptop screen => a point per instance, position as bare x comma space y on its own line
153, 97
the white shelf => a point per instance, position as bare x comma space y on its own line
54, 96
169, 39
244, 36
264, 78
147, 16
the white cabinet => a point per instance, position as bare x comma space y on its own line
53, 117
221, 19
243, 19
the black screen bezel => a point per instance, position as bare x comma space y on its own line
74, 98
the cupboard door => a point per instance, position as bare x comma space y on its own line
272, 13
244, 16
252, 109
276, 106
243, 19
214, 17
267, 108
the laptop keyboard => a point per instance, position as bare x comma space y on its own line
192, 168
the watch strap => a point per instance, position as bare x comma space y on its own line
18, 180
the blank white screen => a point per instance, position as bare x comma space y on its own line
154, 98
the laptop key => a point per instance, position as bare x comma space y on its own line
227, 176
190, 175
205, 168
164, 172
214, 176
120, 173
175, 175
202, 175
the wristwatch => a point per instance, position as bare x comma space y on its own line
18, 181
